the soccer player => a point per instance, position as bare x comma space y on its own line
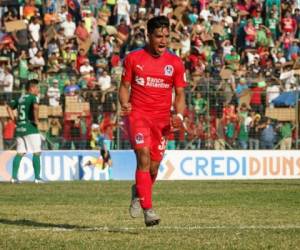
145, 95
27, 134
104, 162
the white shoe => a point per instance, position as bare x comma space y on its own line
14, 181
151, 218
38, 181
135, 209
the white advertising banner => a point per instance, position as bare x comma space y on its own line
230, 165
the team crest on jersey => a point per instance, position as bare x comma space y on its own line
140, 80
139, 138
169, 70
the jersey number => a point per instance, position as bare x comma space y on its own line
163, 144
22, 114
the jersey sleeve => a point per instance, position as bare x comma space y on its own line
13, 103
179, 76
35, 99
127, 70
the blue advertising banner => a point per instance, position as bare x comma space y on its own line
176, 165
71, 165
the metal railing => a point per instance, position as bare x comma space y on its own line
217, 118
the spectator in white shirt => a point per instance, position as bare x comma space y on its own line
205, 13
227, 18
37, 63
34, 29
54, 94
273, 91
38, 60
63, 14
86, 69
186, 43
33, 50
69, 27
7, 83
123, 10
104, 82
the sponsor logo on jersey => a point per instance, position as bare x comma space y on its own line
169, 70
156, 83
21, 129
139, 80
139, 138
140, 67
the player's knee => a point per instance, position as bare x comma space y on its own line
143, 159
37, 154
153, 171
154, 167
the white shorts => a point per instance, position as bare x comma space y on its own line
29, 144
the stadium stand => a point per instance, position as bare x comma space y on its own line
242, 64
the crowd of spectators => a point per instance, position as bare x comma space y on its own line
239, 56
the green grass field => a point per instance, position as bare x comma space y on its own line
195, 215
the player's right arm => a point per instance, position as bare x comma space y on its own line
124, 90
124, 96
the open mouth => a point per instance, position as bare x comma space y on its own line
161, 49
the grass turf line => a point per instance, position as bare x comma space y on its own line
195, 215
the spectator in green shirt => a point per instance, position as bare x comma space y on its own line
286, 130
232, 60
243, 135
261, 36
272, 24
23, 69
200, 105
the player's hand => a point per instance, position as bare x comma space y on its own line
126, 108
176, 121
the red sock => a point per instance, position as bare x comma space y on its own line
153, 177
144, 188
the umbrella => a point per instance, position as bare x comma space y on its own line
71, 88
286, 99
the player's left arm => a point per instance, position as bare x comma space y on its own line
36, 113
179, 105
179, 102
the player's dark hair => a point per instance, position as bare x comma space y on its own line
157, 22
31, 83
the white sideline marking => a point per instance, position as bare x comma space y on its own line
159, 228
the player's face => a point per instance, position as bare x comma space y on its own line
35, 90
158, 41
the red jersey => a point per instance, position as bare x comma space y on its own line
256, 96
288, 24
152, 80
